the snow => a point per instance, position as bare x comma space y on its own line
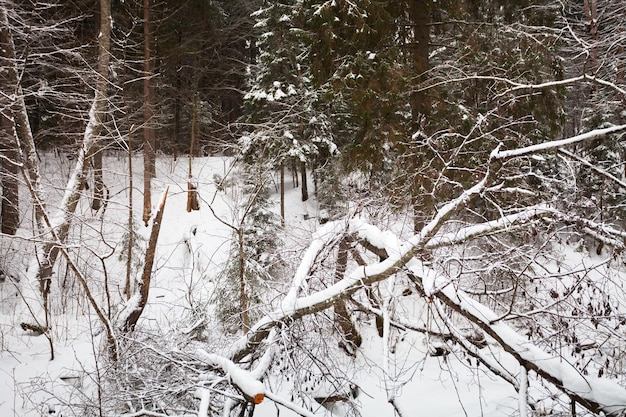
251, 387
560, 367
551, 145
193, 247
205, 399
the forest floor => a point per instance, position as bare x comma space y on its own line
191, 253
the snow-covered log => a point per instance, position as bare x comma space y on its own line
596, 394
399, 255
252, 388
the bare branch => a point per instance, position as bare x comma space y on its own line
549, 146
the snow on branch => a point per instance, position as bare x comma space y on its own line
604, 233
591, 166
294, 308
549, 146
596, 394
247, 382
492, 364
399, 255
516, 86
288, 404
252, 388
481, 229
550, 84
322, 238
420, 240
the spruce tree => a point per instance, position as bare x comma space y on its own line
287, 127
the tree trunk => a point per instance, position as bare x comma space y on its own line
24, 140
144, 285
90, 141
131, 226
342, 318
419, 49
591, 17
294, 175
282, 194
192, 193
243, 294
149, 170
9, 171
98, 181
305, 189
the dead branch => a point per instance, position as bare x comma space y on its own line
144, 286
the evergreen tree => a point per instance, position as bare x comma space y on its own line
416, 117
287, 126
596, 51
253, 263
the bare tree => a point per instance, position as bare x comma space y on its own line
49, 250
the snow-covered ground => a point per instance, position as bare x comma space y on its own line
191, 253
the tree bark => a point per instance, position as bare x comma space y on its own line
294, 175
98, 181
192, 192
131, 223
282, 194
149, 170
419, 50
144, 285
342, 317
305, 188
9, 171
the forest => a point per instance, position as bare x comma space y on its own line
312, 208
